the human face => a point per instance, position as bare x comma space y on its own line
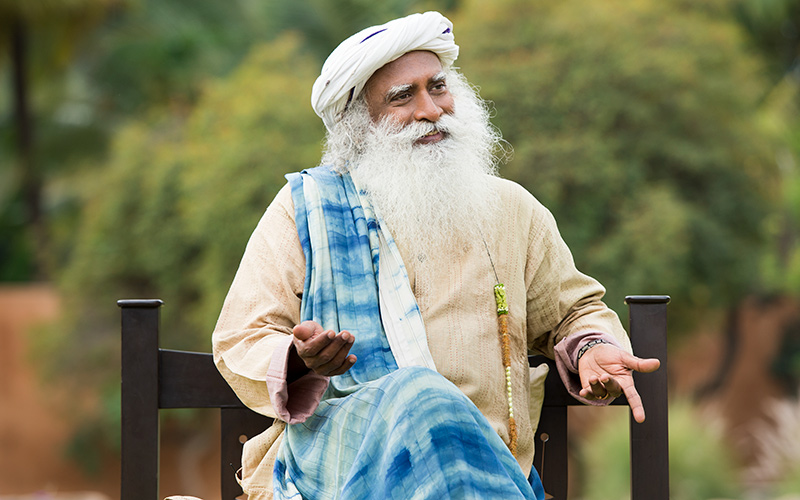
409, 89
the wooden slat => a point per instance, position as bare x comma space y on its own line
155, 378
140, 425
551, 459
650, 439
191, 380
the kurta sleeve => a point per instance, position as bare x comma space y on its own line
260, 310
561, 301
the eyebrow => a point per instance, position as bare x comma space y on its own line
400, 89
397, 90
439, 77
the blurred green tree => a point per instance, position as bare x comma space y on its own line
152, 164
325, 23
81, 69
41, 38
170, 215
96, 64
773, 28
635, 123
159, 52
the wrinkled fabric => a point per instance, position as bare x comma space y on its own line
408, 435
549, 301
296, 401
350, 65
379, 432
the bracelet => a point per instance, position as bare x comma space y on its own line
591, 344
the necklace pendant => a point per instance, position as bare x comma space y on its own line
500, 299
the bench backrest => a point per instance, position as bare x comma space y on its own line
155, 379
649, 441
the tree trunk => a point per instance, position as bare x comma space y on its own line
30, 176
730, 352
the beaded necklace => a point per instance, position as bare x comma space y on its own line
505, 343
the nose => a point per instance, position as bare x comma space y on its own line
427, 109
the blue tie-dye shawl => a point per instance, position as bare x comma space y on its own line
379, 432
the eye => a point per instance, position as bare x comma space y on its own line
439, 86
399, 97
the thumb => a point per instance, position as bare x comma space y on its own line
306, 330
642, 365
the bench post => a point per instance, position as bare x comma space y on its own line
649, 440
140, 424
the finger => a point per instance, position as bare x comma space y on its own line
313, 346
635, 402
598, 391
345, 365
612, 387
329, 351
643, 365
649, 365
349, 362
594, 389
586, 387
306, 330
336, 359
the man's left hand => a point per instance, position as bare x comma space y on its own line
607, 371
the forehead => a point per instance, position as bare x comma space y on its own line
411, 68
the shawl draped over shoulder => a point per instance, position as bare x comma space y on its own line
380, 431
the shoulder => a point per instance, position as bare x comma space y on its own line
319, 173
283, 199
519, 203
280, 209
294, 185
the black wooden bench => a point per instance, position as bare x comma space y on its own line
155, 379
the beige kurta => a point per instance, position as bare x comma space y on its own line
548, 300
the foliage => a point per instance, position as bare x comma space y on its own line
39, 43
160, 52
173, 209
699, 458
59, 24
773, 27
325, 23
92, 66
170, 214
95, 64
634, 122
16, 263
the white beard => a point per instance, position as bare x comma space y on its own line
435, 198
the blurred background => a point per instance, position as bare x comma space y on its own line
141, 140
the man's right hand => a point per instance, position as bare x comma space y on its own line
323, 352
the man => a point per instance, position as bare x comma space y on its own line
386, 302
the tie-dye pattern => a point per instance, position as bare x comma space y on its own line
380, 432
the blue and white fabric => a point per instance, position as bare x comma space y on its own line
380, 432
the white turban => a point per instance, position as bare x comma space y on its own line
350, 65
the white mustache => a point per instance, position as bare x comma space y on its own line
413, 131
